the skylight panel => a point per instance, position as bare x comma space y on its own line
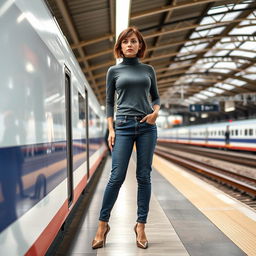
250, 76
193, 98
251, 69
230, 16
221, 53
215, 31
215, 90
208, 93
209, 53
248, 46
199, 47
198, 80
249, 30
187, 57
225, 64
220, 70
235, 82
243, 53
189, 80
207, 65
177, 65
225, 86
189, 101
194, 35
203, 33
225, 40
201, 96
217, 10
240, 6
225, 45
183, 50
207, 20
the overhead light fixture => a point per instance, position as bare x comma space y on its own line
122, 15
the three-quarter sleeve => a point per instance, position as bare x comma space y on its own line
110, 93
153, 89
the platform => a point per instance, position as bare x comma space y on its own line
175, 226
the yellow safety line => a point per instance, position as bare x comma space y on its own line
240, 228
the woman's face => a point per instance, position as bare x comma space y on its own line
130, 46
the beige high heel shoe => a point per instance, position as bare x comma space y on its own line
99, 244
140, 244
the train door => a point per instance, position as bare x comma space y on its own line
68, 112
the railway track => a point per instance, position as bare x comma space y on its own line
239, 186
241, 159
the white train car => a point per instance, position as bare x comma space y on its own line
243, 135
182, 135
51, 128
196, 135
215, 135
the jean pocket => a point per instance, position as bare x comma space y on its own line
119, 122
149, 124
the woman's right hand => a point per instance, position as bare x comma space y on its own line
111, 139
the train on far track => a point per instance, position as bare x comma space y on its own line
236, 135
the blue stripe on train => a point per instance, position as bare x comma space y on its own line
16, 162
213, 139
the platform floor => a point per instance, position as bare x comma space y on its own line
175, 226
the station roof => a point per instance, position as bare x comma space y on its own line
203, 51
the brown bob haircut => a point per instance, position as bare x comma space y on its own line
125, 33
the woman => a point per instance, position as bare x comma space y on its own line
135, 123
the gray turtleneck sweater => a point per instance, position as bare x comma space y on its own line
133, 82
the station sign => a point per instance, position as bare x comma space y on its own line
203, 107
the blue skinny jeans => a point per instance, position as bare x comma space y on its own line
129, 130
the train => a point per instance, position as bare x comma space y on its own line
52, 128
235, 135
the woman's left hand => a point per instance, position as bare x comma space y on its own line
150, 118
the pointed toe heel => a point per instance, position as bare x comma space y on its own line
140, 244
99, 244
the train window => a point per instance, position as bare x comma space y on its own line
245, 132
250, 132
81, 106
236, 132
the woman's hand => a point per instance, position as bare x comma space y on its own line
111, 139
150, 118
